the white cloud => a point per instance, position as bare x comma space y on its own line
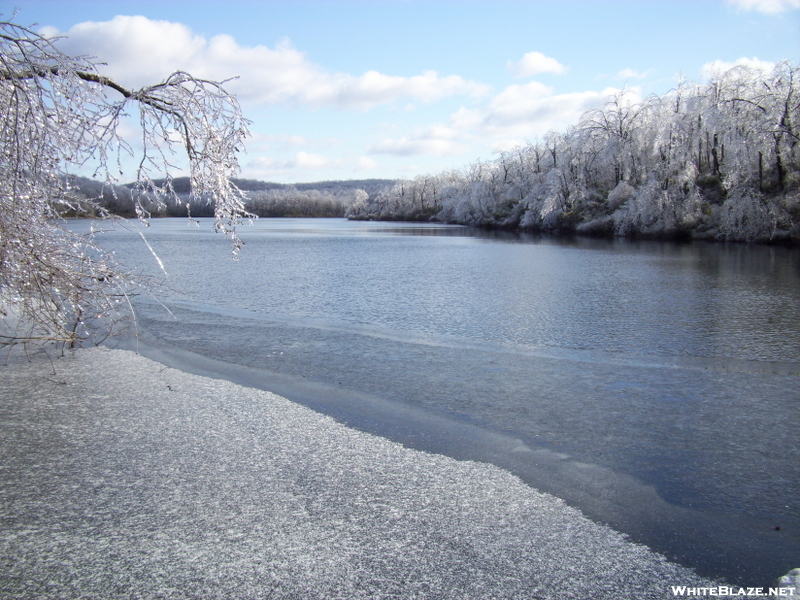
537, 116
505, 144
279, 75
435, 140
516, 114
413, 146
260, 141
304, 166
302, 161
466, 118
123, 42
770, 7
718, 67
534, 63
519, 98
307, 160
628, 74
364, 163
533, 109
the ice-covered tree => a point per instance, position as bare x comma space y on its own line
717, 161
60, 115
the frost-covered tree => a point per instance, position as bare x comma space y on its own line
58, 116
716, 161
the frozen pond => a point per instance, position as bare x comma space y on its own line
653, 385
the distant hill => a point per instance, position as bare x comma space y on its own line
371, 186
265, 198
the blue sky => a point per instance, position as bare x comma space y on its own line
359, 89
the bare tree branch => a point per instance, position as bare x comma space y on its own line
56, 117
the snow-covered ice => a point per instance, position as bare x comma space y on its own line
122, 478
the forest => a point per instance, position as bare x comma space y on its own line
263, 199
714, 161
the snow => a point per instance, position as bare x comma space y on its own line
791, 582
124, 478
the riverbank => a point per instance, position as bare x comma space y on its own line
124, 478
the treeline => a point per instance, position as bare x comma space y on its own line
264, 199
320, 199
706, 161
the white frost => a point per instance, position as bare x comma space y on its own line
123, 478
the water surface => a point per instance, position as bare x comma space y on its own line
654, 385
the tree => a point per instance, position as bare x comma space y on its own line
719, 161
58, 115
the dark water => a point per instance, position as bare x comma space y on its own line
654, 385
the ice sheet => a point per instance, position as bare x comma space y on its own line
124, 478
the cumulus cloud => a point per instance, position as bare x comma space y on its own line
534, 63
136, 50
516, 114
506, 144
302, 161
260, 141
513, 114
533, 109
628, 74
308, 160
373, 88
537, 116
717, 67
279, 75
770, 7
436, 140
365, 163
519, 98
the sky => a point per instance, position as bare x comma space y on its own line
397, 88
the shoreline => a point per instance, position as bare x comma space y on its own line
125, 477
750, 553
